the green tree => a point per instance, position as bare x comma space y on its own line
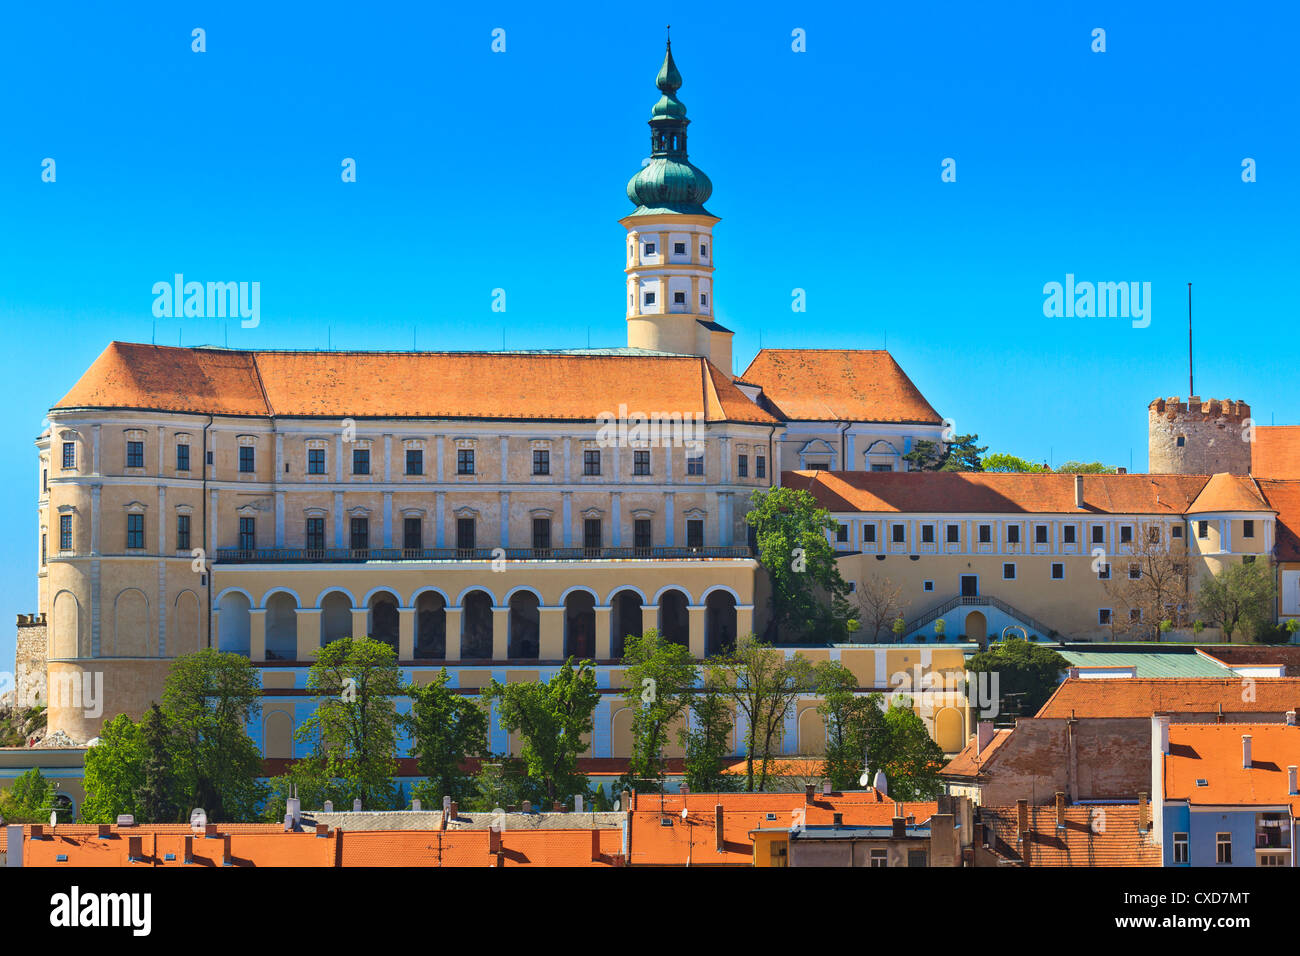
503, 782
1012, 463
763, 684
706, 739
30, 799
551, 719
659, 679
353, 731
960, 454
208, 700
156, 799
114, 772
809, 598
905, 751
1241, 595
1020, 667
1085, 468
447, 728
853, 721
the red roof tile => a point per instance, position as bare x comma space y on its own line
1145, 697
1100, 835
1275, 452
838, 385
1214, 753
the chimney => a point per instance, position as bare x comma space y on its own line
226, 858
1078, 491
1245, 751
627, 800
983, 735
899, 827
189, 849
808, 793
1218, 718
322, 830
718, 841
1160, 731
1291, 781
1290, 718
415, 806
210, 832
329, 806
1060, 809
557, 806
494, 840
528, 806
1144, 813
577, 803
37, 832
293, 811
826, 788
356, 806
1022, 819
104, 831
454, 811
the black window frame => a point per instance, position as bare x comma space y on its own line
464, 461
541, 461
359, 533
314, 534
135, 532
247, 459
591, 462
183, 533
694, 532
135, 454
247, 533
414, 461
182, 457
69, 455
412, 533
315, 461
360, 461
640, 462
65, 532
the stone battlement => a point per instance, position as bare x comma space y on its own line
1196, 409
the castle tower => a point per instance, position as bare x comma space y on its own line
1198, 438
670, 241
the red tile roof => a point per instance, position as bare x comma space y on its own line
1094, 835
251, 844
567, 848
1284, 498
941, 492
471, 385
1214, 753
1145, 697
838, 386
968, 763
1275, 452
1226, 493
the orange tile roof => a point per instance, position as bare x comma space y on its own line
838, 385
968, 763
469, 385
1275, 452
1144, 697
1085, 841
250, 845
1225, 492
944, 492
568, 848
1214, 753
1284, 498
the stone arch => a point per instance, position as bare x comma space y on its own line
335, 616
460, 598
674, 618
525, 624
476, 624
521, 588
131, 624
65, 638
234, 622
222, 595
277, 735
282, 626
948, 730
564, 597
620, 733
352, 600
624, 617
383, 622
609, 599
658, 599
580, 623
430, 589
812, 731
719, 621
272, 592
430, 624
369, 596
188, 625
977, 626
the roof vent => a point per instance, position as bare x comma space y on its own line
1202, 782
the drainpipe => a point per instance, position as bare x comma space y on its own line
207, 570
844, 445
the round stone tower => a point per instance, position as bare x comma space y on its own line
1198, 437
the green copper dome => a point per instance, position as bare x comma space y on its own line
669, 183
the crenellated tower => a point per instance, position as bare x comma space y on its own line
670, 240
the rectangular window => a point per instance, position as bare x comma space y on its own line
842, 533
704, 249
44, 549
135, 454
360, 534
315, 461
413, 534
1068, 534
1223, 847
591, 534
315, 534
695, 533
182, 457
760, 466
182, 532
695, 464
65, 532
1058, 571
45, 479
1135, 614
69, 454
465, 534
246, 459
415, 461
649, 298
542, 534
882, 467
880, 859
541, 461
1008, 572
361, 461
465, 461
1103, 573
1013, 534
1125, 534
641, 534
1134, 572
135, 531
1248, 529
650, 251
679, 298
742, 466
1103, 615
591, 461
899, 532
1180, 848
1098, 534
954, 533
869, 533
704, 299
247, 534
1202, 529
927, 534
1176, 531
679, 248
986, 534
1040, 534
640, 462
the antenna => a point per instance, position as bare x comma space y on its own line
1191, 389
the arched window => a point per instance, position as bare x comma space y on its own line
383, 621
719, 623
476, 626
431, 626
525, 625
580, 625
335, 617
234, 624
674, 621
281, 627
625, 620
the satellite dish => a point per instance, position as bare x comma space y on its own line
54, 818
864, 780
882, 783
683, 813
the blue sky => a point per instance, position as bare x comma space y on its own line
479, 170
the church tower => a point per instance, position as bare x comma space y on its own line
670, 241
